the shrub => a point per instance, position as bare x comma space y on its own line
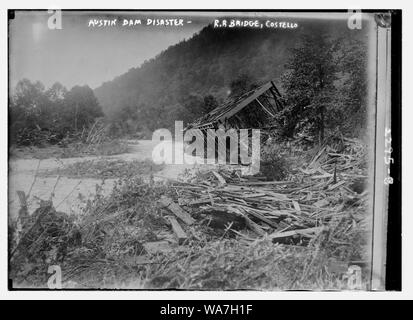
273, 164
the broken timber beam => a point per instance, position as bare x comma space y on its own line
265, 109
275, 88
177, 229
219, 177
262, 218
276, 100
176, 210
257, 183
254, 227
300, 232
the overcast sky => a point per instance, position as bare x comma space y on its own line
78, 54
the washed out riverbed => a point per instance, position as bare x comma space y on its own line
35, 178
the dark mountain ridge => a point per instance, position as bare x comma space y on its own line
156, 93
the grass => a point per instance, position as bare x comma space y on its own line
106, 169
106, 148
274, 165
74, 149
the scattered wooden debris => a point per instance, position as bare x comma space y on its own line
254, 227
295, 205
157, 247
321, 203
338, 184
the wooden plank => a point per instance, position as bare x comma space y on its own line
271, 106
338, 184
321, 203
265, 109
177, 229
327, 175
205, 126
22, 198
187, 202
277, 196
275, 88
257, 183
199, 201
302, 232
296, 206
157, 247
176, 210
281, 213
254, 227
316, 157
278, 104
252, 195
219, 177
262, 218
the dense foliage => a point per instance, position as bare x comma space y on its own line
39, 116
325, 86
320, 69
193, 76
320, 66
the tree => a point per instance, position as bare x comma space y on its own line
81, 107
354, 87
28, 104
309, 84
45, 116
56, 93
29, 94
125, 121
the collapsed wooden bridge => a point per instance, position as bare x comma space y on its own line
254, 109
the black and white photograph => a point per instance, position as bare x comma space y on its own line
199, 150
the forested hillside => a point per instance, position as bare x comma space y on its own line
194, 75
320, 68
